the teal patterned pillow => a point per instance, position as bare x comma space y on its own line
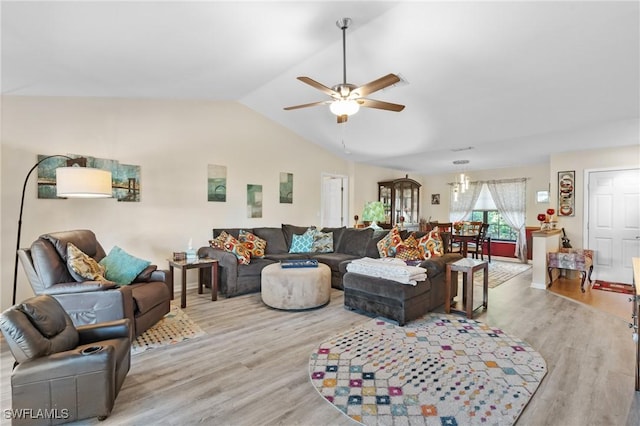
302, 243
322, 242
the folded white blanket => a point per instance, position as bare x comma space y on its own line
388, 268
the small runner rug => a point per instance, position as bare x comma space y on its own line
174, 328
440, 370
614, 287
499, 272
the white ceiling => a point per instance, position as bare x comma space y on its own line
500, 77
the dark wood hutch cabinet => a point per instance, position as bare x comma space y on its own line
401, 198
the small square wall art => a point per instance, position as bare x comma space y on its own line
286, 188
254, 201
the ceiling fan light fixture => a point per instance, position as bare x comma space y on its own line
344, 107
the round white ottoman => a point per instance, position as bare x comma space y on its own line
296, 288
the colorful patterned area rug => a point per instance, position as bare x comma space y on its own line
174, 328
439, 370
614, 287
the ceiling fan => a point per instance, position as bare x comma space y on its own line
348, 98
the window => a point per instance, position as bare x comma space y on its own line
499, 230
485, 211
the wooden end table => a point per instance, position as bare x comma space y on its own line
199, 264
467, 267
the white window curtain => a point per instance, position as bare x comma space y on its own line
510, 198
461, 209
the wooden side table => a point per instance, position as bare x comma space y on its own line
467, 267
199, 264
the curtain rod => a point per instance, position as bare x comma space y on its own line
494, 181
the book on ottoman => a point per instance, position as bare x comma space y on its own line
299, 263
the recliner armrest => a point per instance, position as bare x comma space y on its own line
91, 333
62, 364
79, 287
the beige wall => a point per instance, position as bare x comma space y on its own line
173, 142
582, 162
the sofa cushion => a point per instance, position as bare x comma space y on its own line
82, 267
289, 230
254, 244
387, 245
275, 240
431, 245
231, 231
302, 243
84, 239
232, 245
254, 268
322, 242
121, 267
354, 241
382, 288
408, 249
337, 235
436, 265
333, 260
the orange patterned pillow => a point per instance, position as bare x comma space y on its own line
255, 245
387, 245
431, 245
218, 242
236, 247
408, 249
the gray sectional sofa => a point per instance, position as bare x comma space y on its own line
238, 279
373, 295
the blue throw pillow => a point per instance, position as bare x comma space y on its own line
302, 243
122, 267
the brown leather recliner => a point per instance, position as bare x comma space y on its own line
144, 302
63, 373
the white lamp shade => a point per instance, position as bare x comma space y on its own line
344, 107
83, 182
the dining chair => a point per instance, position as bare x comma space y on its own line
477, 248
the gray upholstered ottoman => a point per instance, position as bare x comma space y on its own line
296, 288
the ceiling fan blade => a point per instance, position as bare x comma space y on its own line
342, 118
306, 105
388, 106
311, 82
376, 85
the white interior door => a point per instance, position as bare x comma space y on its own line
614, 223
334, 190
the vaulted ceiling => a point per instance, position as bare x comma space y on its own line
500, 77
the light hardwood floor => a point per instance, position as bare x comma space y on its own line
251, 367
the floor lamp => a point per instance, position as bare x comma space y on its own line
76, 180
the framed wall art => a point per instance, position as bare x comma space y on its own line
566, 193
435, 198
254, 201
286, 188
216, 183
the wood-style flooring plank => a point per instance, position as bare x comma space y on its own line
251, 368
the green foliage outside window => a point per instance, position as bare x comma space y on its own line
499, 230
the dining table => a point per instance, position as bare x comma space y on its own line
464, 237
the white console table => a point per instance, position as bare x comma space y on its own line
543, 243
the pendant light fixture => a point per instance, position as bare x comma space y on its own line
461, 183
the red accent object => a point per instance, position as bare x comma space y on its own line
542, 217
551, 212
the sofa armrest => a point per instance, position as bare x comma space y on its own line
228, 267
79, 287
91, 333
